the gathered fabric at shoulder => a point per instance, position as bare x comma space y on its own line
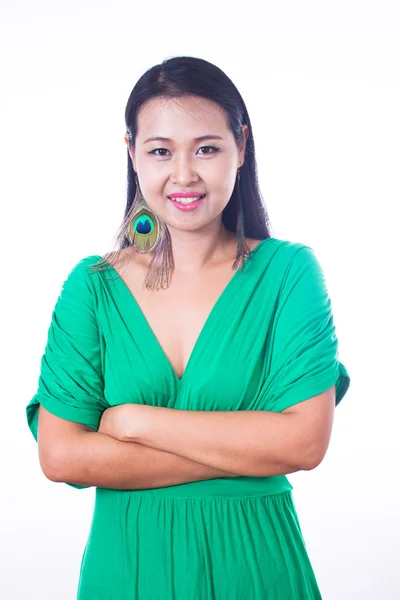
70, 383
303, 357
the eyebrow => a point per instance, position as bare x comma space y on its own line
198, 139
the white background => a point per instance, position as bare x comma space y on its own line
321, 81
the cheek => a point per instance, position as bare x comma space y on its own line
151, 184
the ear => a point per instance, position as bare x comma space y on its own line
131, 153
242, 151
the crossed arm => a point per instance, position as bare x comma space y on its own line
199, 444
242, 442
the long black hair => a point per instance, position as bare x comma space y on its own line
189, 76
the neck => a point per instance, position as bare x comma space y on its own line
192, 251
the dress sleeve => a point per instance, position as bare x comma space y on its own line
304, 356
70, 383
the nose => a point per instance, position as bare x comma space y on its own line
183, 172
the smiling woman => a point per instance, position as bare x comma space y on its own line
183, 387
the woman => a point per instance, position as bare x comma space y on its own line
183, 390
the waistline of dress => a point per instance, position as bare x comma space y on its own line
226, 487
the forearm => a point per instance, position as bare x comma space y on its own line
248, 443
96, 459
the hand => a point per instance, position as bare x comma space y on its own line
126, 422
116, 420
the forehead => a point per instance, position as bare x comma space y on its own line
188, 116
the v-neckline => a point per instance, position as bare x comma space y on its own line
205, 326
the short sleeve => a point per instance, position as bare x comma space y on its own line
70, 383
304, 352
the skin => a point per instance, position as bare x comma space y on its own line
216, 443
203, 253
198, 237
247, 443
202, 247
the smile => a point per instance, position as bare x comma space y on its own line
187, 204
188, 200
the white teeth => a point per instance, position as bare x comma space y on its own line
186, 200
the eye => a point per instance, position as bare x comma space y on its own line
156, 150
213, 148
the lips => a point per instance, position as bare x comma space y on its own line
186, 195
187, 199
187, 203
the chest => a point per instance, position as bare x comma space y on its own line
178, 314
202, 344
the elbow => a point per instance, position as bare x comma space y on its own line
51, 475
313, 457
49, 465
50, 471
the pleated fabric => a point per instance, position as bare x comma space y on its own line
269, 343
157, 547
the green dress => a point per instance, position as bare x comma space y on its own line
268, 343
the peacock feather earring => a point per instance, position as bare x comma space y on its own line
144, 226
147, 233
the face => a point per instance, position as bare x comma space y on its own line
182, 164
